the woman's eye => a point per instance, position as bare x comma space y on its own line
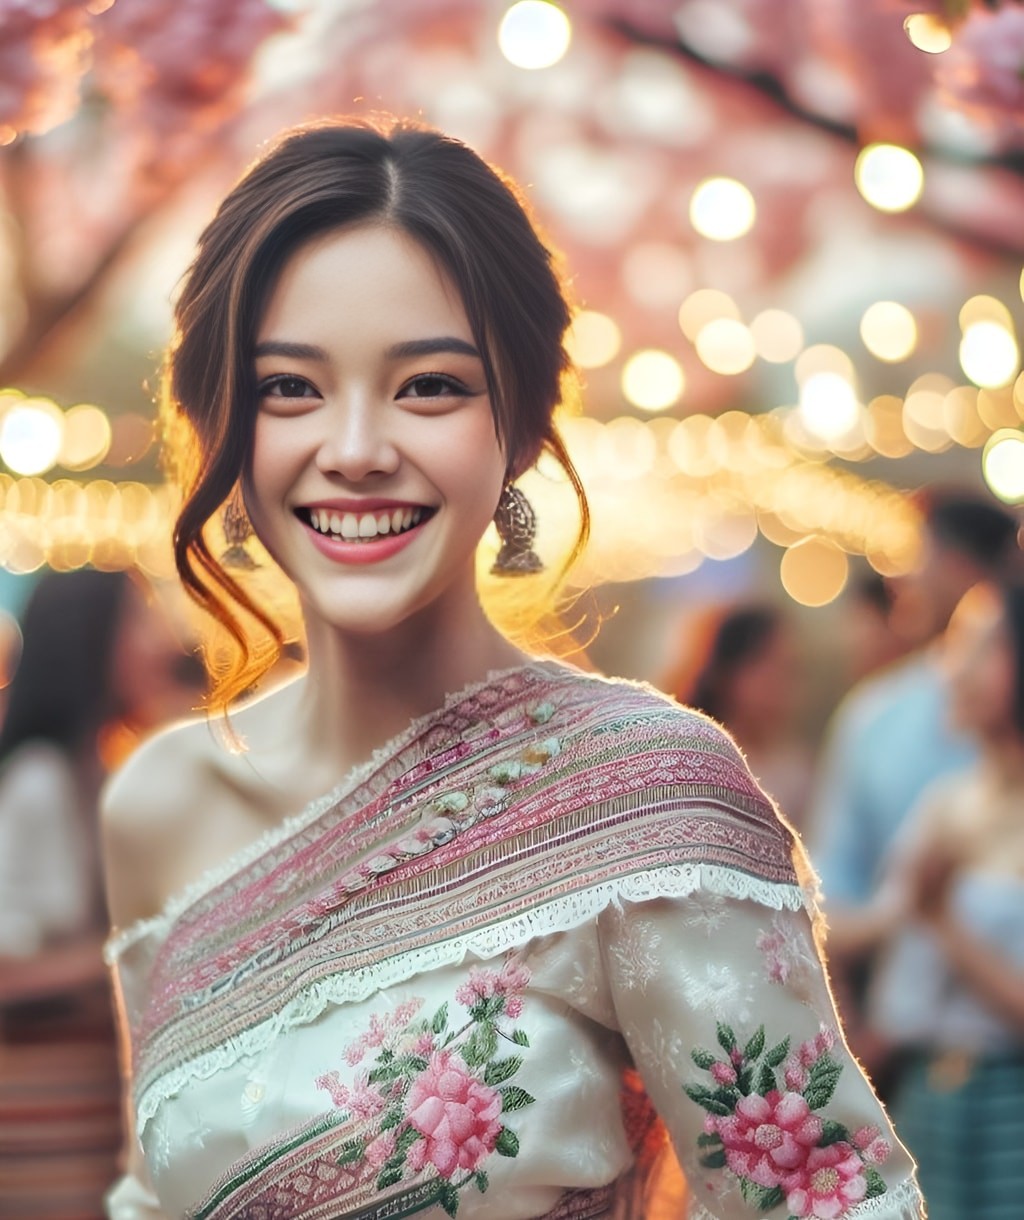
432, 385
286, 387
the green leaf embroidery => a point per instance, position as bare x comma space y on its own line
822, 1081
482, 1181
703, 1059
520, 1038
756, 1044
762, 1197
714, 1160
507, 1143
390, 1175
499, 1070
778, 1052
449, 1199
351, 1152
440, 1021
876, 1183
515, 1098
707, 1140
765, 1080
481, 1047
405, 1141
706, 1099
832, 1133
727, 1095
726, 1038
744, 1079
391, 1118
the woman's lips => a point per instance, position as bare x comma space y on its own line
363, 537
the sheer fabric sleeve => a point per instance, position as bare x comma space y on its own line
132, 1197
726, 1011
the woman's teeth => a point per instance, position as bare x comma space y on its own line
360, 527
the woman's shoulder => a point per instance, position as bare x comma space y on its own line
146, 808
605, 704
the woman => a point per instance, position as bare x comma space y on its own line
744, 672
92, 662
419, 994
951, 997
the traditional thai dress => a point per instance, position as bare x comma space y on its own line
960, 1093
549, 934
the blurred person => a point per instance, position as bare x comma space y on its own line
94, 656
741, 666
455, 930
869, 630
891, 737
950, 990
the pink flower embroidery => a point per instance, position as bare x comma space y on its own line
458, 1116
723, 1073
484, 984
873, 1147
827, 1185
766, 1138
378, 1150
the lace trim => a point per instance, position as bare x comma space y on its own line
903, 1202
235, 863
560, 915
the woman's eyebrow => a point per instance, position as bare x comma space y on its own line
431, 347
295, 351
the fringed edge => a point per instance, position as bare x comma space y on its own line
902, 1202
559, 915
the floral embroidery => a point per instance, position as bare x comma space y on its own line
788, 958
766, 1133
434, 1097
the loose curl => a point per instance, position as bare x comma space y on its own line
315, 179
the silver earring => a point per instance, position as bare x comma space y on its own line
237, 532
516, 524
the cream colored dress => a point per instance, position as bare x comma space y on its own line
544, 950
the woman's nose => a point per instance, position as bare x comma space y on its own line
355, 443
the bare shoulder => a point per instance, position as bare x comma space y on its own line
146, 811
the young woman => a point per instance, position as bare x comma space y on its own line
535, 922
951, 997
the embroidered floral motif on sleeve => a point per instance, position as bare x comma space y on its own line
788, 956
436, 1096
766, 1132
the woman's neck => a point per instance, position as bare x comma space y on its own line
361, 690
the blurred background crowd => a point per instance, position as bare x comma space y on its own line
793, 233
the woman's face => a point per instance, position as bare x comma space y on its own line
376, 467
979, 665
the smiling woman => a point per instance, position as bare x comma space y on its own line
480, 976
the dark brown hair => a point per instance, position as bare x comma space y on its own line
315, 179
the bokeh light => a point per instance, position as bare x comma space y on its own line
704, 306
87, 437
889, 177
1002, 464
984, 308
928, 32
593, 339
30, 436
989, 354
823, 358
653, 380
889, 331
828, 406
778, 336
726, 346
534, 34
814, 571
722, 209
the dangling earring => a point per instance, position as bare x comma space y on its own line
237, 532
516, 524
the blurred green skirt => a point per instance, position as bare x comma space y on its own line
963, 1120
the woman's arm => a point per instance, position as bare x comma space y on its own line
994, 978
